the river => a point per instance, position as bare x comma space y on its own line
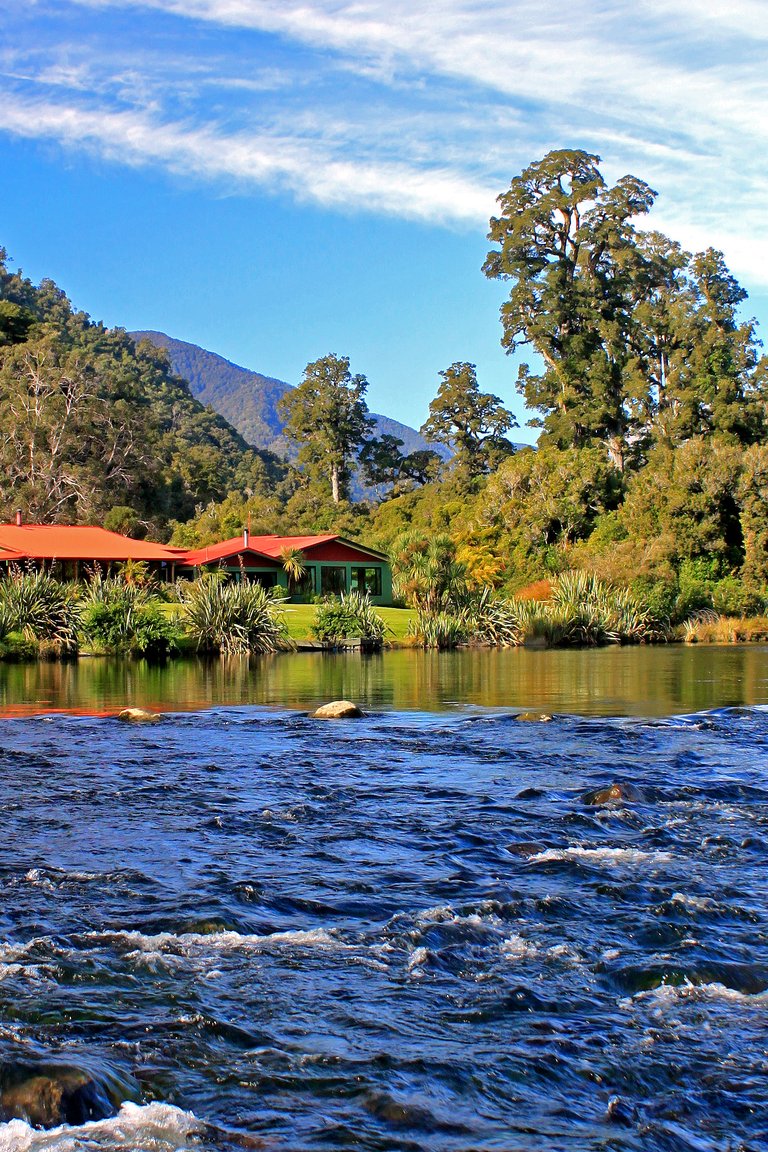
241, 927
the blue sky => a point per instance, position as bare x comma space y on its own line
278, 179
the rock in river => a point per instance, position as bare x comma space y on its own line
138, 716
48, 1095
613, 794
337, 710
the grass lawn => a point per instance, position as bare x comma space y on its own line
299, 618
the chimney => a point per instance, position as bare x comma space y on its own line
19, 520
245, 537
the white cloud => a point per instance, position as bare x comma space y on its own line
450, 98
309, 168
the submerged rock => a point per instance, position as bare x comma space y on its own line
532, 717
138, 716
613, 794
525, 848
49, 1095
337, 710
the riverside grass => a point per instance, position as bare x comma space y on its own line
580, 610
40, 616
714, 629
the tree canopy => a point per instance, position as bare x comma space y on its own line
328, 417
469, 422
89, 421
639, 341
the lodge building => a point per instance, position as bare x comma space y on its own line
331, 563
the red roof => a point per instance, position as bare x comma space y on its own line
273, 545
76, 542
10, 554
227, 549
97, 545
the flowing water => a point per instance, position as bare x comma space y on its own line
241, 927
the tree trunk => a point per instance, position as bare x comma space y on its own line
335, 482
616, 448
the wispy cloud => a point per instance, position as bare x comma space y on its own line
311, 168
422, 110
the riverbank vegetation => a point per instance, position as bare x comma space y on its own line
129, 616
640, 515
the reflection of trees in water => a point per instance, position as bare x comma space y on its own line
613, 681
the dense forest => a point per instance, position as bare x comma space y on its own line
644, 377
96, 428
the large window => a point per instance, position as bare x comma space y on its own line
333, 580
266, 579
367, 580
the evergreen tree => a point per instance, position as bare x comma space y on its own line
327, 415
568, 246
470, 422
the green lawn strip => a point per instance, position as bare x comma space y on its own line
299, 618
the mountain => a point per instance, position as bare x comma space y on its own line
249, 400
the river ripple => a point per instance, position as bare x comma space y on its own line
407, 932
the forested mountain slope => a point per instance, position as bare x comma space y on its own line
95, 428
249, 400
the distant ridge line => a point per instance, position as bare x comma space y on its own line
249, 400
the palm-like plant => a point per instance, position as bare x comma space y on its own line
427, 572
294, 565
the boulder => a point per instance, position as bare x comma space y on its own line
541, 717
337, 710
612, 794
49, 1096
138, 716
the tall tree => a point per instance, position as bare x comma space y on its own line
385, 466
327, 415
568, 246
472, 423
715, 381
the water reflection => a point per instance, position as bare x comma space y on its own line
614, 681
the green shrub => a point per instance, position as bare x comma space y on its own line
351, 614
232, 618
125, 618
730, 597
696, 580
15, 647
660, 596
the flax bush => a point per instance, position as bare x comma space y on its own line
232, 618
492, 619
40, 609
351, 614
440, 629
584, 610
